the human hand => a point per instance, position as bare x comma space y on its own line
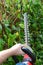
16, 49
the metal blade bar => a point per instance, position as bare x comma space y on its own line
26, 28
26, 31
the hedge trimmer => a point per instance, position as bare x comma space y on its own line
29, 57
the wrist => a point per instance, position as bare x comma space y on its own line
9, 52
12, 52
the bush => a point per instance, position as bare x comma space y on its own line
12, 23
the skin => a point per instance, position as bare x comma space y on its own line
14, 50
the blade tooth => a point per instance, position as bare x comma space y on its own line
28, 38
27, 24
28, 32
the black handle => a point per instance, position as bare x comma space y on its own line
32, 55
28, 52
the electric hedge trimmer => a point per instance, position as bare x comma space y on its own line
29, 57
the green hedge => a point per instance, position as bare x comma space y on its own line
12, 23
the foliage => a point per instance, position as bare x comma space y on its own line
12, 23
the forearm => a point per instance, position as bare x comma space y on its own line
4, 55
14, 50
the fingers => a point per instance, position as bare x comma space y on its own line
16, 49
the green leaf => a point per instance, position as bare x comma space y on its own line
21, 25
1, 44
11, 39
34, 25
8, 30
